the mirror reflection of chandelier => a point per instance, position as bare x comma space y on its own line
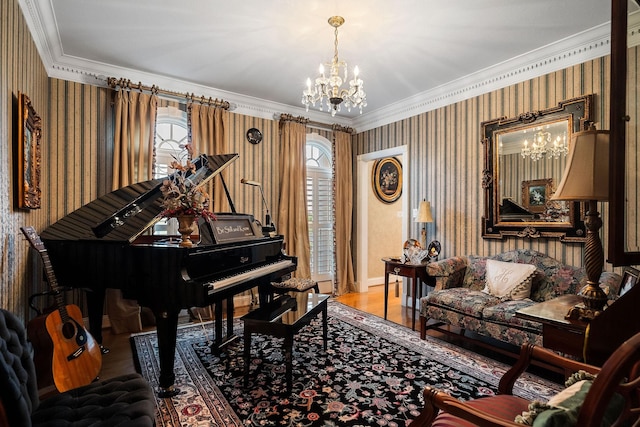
542, 146
328, 90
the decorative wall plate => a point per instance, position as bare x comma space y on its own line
254, 136
434, 249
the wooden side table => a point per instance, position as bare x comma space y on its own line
558, 333
415, 272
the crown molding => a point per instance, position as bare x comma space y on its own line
587, 45
559, 55
579, 48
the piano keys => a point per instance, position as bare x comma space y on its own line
107, 244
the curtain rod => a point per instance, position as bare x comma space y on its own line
301, 119
127, 84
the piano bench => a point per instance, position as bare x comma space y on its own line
295, 284
283, 318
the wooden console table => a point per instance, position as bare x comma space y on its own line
558, 333
592, 341
415, 272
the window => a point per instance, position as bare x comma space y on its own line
320, 206
171, 138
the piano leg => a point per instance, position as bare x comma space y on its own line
230, 311
221, 341
167, 330
95, 306
217, 341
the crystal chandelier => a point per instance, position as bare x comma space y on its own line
328, 89
542, 146
559, 148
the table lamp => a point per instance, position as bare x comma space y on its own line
586, 178
424, 216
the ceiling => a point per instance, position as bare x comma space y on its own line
257, 54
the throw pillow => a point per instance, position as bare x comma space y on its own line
508, 280
562, 409
566, 407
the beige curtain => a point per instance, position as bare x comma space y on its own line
135, 122
343, 198
292, 220
208, 129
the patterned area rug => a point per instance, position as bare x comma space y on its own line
372, 373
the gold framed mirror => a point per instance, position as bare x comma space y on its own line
525, 158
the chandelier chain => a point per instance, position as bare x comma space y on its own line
335, 47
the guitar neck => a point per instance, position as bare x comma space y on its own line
48, 269
53, 284
38, 245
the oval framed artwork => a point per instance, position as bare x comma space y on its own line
387, 179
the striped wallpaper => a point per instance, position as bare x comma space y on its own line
633, 150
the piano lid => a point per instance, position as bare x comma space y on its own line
126, 213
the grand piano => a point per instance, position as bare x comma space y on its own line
107, 244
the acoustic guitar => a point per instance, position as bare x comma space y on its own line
77, 358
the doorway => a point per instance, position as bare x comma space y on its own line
363, 219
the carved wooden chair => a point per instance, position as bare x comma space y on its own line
612, 399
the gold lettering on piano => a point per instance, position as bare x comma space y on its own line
228, 229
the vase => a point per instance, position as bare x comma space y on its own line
185, 227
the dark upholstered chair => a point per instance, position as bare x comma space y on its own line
123, 401
614, 395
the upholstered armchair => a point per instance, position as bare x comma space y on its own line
612, 397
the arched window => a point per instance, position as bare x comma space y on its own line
320, 206
170, 141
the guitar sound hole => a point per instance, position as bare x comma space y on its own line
68, 330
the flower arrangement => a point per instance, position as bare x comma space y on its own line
181, 195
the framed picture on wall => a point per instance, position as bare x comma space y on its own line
28, 154
536, 193
387, 179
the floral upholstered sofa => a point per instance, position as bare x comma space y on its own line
461, 297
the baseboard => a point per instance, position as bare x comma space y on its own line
372, 281
326, 287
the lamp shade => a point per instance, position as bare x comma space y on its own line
586, 175
424, 212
